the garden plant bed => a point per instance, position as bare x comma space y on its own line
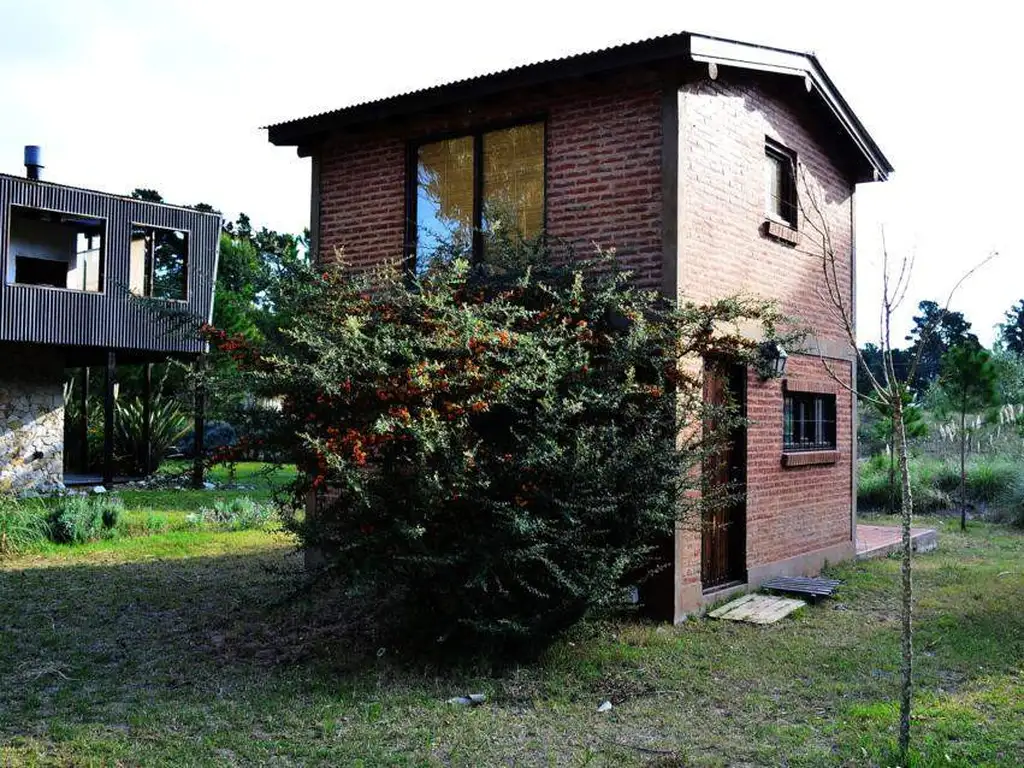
187, 648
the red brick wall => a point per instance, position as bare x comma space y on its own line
362, 200
794, 510
723, 125
604, 185
604, 172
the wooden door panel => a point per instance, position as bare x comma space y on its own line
723, 536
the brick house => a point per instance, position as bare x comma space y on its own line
683, 152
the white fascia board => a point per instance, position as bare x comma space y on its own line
765, 59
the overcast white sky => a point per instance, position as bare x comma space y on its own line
170, 95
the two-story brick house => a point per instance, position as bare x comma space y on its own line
685, 153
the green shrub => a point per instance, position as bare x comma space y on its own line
1009, 506
78, 519
168, 423
21, 526
238, 514
496, 452
929, 480
111, 509
155, 523
987, 481
873, 487
929, 499
935, 483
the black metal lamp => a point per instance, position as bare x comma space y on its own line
773, 360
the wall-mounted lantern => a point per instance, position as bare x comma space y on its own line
772, 362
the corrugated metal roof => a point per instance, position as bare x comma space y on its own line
703, 48
681, 36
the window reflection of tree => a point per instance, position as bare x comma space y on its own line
512, 201
170, 250
444, 208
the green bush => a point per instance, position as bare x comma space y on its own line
78, 519
238, 514
495, 451
988, 481
21, 526
1009, 505
167, 424
873, 487
935, 483
929, 499
154, 522
935, 474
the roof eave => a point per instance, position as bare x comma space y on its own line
305, 132
804, 65
299, 132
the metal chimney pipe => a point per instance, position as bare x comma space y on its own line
33, 161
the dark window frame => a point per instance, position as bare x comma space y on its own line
804, 426
149, 262
104, 224
787, 209
477, 133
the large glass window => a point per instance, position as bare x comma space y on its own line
58, 250
444, 199
158, 265
458, 214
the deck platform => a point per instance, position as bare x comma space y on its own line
882, 540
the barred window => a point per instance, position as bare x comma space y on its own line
809, 422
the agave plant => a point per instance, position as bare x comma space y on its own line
167, 425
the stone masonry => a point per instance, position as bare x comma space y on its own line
31, 420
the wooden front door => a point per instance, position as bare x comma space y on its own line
724, 529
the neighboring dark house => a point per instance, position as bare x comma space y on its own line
84, 277
686, 153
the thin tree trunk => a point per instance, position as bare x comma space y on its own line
892, 469
907, 639
963, 469
199, 422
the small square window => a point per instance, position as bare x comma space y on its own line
780, 183
809, 422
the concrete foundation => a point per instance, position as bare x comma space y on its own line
31, 420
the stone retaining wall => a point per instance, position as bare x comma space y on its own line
31, 420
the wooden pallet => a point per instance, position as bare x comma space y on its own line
805, 587
757, 609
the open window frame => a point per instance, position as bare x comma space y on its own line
149, 262
86, 221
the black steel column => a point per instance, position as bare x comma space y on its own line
147, 419
108, 420
199, 461
83, 427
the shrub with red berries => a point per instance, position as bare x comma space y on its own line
493, 452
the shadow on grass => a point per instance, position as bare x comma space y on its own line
75, 634
152, 657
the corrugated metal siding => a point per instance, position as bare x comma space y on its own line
112, 319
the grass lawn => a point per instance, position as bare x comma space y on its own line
187, 648
164, 510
